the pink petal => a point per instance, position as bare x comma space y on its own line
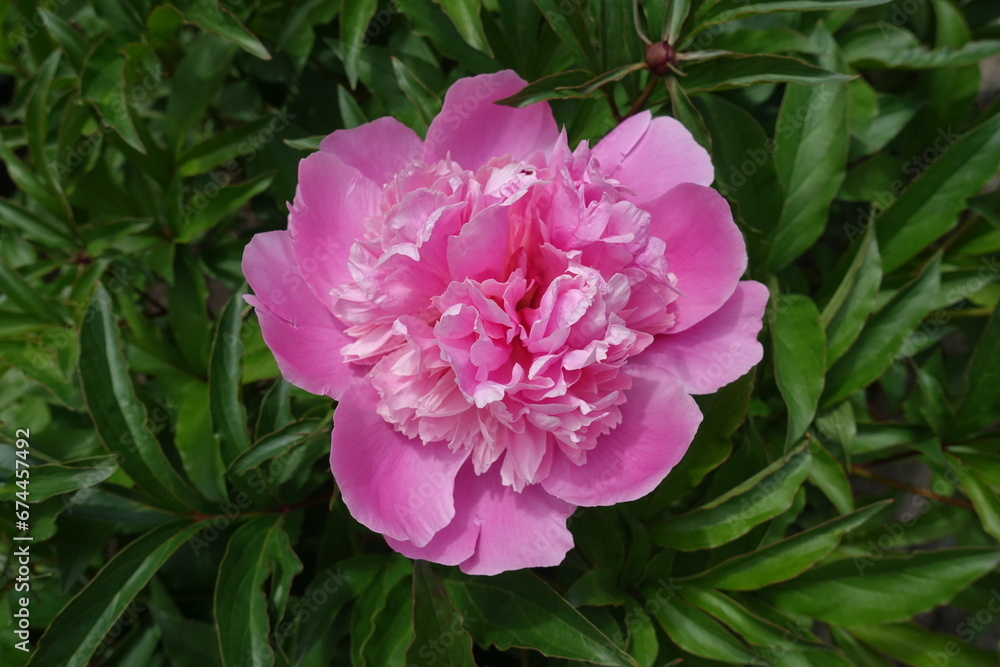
478, 251
301, 332
704, 249
472, 129
658, 423
717, 350
327, 216
496, 529
653, 155
378, 149
392, 484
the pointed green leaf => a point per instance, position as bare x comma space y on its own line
119, 416
762, 497
846, 312
225, 372
699, 634
436, 623
738, 71
518, 609
799, 361
787, 558
256, 551
886, 588
465, 15
883, 336
211, 16
931, 205
980, 402
78, 629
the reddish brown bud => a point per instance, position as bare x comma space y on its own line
659, 57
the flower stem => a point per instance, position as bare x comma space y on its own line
909, 488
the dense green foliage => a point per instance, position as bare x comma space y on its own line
181, 506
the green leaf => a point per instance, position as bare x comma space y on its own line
197, 80
799, 361
206, 155
465, 15
78, 629
225, 372
699, 634
888, 46
912, 644
306, 143
196, 443
33, 225
597, 587
518, 609
980, 401
811, 140
762, 497
428, 104
572, 26
339, 584
561, 85
63, 34
277, 444
643, 643
119, 416
103, 84
208, 208
739, 71
754, 629
22, 294
37, 124
683, 110
827, 474
373, 616
437, 625
28, 182
846, 312
211, 16
355, 15
744, 160
787, 558
885, 588
188, 313
256, 551
52, 479
883, 336
393, 630
931, 205
723, 11
674, 18
430, 21
350, 112
983, 497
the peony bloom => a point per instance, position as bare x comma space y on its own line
511, 328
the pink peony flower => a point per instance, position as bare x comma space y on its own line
512, 328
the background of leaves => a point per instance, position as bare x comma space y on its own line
181, 503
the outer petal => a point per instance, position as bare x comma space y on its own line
717, 350
704, 249
658, 423
497, 529
378, 149
652, 155
304, 337
394, 485
328, 214
472, 129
